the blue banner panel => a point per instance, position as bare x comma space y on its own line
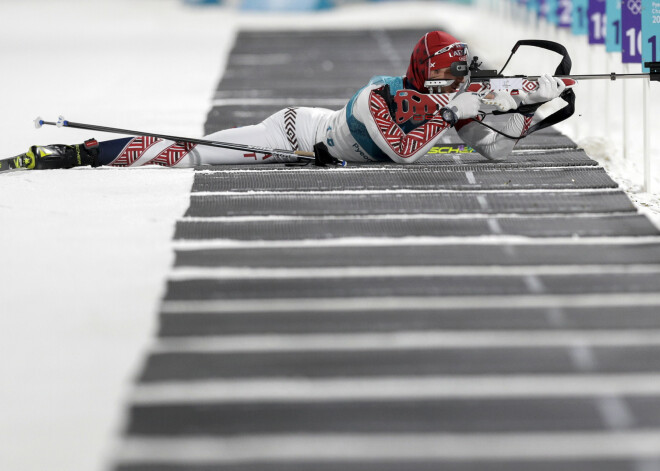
597, 21
650, 32
551, 11
579, 23
631, 37
613, 35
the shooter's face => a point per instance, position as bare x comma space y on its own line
445, 74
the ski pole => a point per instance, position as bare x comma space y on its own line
320, 160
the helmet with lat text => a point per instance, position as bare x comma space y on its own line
434, 51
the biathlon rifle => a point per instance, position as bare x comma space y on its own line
410, 104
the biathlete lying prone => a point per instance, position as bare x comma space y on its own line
368, 129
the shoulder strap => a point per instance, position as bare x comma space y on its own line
558, 116
564, 68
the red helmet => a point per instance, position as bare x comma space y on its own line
436, 50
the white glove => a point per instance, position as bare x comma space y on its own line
500, 100
549, 88
466, 105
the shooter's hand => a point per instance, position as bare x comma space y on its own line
500, 100
465, 105
549, 88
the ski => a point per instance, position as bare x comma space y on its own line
19, 162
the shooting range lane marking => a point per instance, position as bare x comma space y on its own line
285, 390
583, 357
494, 226
286, 305
529, 273
483, 240
405, 341
509, 250
362, 447
615, 412
483, 202
534, 283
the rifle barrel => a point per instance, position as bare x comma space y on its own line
610, 76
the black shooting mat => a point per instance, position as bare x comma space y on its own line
432, 177
459, 313
324, 203
205, 322
423, 284
393, 254
452, 154
317, 228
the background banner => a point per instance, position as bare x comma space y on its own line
551, 7
613, 17
631, 37
597, 21
564, 13
650, 32
579, 22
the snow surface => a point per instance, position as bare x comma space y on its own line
85, 252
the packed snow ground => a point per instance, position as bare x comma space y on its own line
86, 252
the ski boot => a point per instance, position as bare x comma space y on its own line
54, 156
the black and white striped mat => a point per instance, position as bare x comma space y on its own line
452, 315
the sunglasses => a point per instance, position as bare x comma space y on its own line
462, 46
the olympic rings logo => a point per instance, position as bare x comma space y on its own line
635, 6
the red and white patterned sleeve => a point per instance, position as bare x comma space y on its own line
390, 138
